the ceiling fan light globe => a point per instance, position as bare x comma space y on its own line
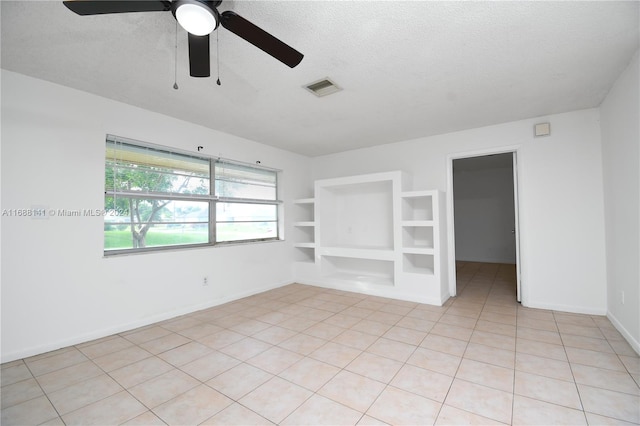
196, 19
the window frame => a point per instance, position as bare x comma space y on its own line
212, 199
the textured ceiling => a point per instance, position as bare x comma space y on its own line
408, 69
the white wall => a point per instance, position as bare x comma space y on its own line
620, 114
484, 215
57, 288
560, 191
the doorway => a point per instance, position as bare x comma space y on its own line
483, 214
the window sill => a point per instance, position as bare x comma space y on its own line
152, 250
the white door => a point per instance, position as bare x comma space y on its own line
516, 227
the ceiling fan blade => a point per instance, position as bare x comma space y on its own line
99, 7
199, 65
260, 38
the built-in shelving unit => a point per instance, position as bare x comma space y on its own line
422, 234
304, 228
418, 226
355, 230
366, 234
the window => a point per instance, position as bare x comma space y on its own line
246, 207
157, 198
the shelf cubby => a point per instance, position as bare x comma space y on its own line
304, 210
304, 229
358, 271
304, 234
357, 214
417, 236
417, 206
418, 263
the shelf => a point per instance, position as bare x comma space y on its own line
417, 223
305, 223
356, 279
358, 252
305, 201
418, 194
418, 250
305, 245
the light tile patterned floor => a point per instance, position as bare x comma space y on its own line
308, 355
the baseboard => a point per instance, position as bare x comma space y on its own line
372, 291
582, 310
565, 308
635, 344
445, 296
120, 328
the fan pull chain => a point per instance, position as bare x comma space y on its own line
218, 56
175, 71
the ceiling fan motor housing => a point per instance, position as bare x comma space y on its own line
209, 6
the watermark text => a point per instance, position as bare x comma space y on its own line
45, 213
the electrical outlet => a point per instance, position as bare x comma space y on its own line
205, 281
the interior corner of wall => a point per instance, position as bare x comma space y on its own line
634, 341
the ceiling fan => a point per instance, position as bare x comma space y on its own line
199, 18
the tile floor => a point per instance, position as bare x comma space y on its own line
306, 355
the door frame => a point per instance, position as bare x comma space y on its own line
451, 237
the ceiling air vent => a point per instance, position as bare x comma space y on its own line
323, 87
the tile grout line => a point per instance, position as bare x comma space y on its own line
463, 354
45, 394
575, 384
